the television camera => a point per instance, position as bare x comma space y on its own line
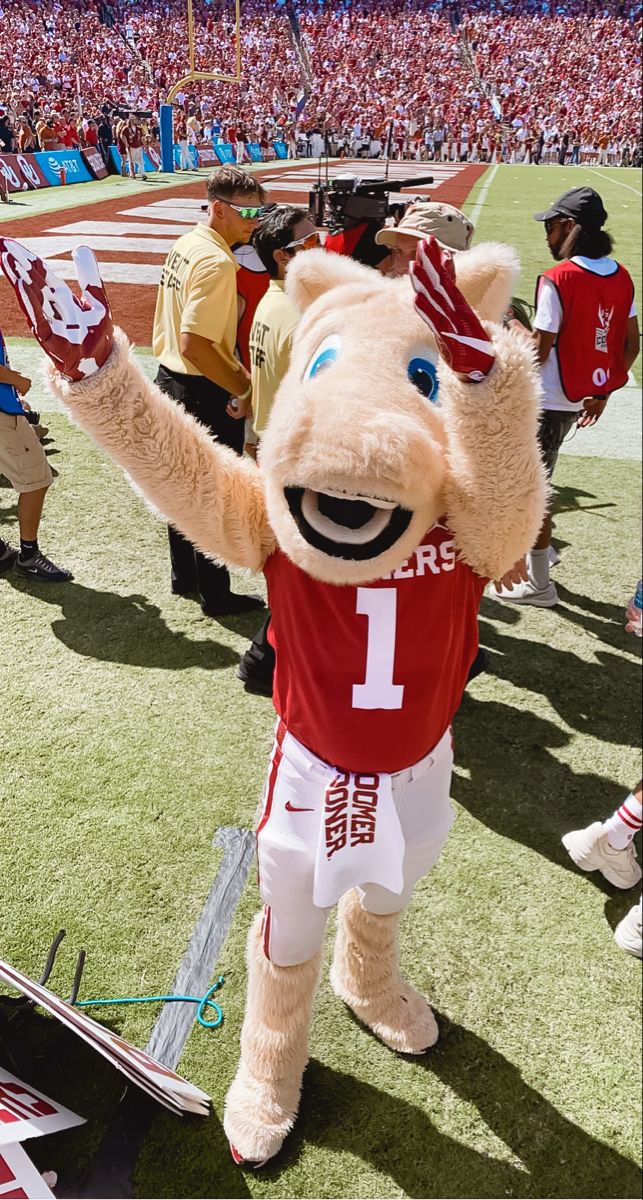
355, 209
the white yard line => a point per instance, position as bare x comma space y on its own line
483, 196
616, 182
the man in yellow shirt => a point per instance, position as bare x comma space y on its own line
284, 232
195, 330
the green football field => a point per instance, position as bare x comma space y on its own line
127, 743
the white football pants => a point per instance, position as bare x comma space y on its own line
302, 825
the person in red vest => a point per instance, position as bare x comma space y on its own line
587, 337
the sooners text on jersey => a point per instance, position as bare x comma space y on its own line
369, 678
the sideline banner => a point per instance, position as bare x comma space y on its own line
151, 160
206, 155
93, 160
21, 172
53, 163
225, 153
281, 149
254, 150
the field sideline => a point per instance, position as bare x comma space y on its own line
127, 742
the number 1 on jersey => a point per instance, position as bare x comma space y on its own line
378, 689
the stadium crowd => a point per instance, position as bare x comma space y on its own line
514, 79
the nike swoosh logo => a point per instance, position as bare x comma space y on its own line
291, 808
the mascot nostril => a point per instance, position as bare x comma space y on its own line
376, 518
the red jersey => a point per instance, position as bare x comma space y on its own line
591, 339
370, 677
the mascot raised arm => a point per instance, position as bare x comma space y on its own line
399, 472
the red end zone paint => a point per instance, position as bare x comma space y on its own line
133, 303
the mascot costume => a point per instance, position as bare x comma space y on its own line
377, 516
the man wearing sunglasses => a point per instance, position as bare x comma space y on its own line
195, 333
284, 232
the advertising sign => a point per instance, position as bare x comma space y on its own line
53, 163
225, 152
21, 172
93, 159
254, 150
206, 155
281, 149
19, 1179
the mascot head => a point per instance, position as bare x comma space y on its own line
355, 455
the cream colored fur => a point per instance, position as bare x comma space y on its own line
360, 427
214, 497
262, 1104
366, 976
487, 276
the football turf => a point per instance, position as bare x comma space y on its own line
127, 742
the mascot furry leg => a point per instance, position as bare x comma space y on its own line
262, 1104
366, 976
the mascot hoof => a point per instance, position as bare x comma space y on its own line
255, 1122
403, 1021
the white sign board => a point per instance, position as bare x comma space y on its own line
158, 1081
26, 1112
19, 1179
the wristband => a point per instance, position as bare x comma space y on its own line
248, 392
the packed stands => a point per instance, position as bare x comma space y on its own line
523, 80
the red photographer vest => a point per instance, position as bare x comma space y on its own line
590, 342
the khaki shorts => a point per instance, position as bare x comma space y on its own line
22, 458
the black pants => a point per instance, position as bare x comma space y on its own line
258, 662
191, 570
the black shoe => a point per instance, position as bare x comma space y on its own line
8, 557
479, 665
178, 590
39, 567
255, 683
233, 605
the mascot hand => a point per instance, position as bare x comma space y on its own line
76, 334
461, 339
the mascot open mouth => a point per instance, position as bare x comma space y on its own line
345, 526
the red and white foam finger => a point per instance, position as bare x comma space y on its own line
461, 338
76, 333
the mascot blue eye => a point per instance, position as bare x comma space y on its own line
325, 355
424, 377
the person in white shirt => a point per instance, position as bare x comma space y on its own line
574, 233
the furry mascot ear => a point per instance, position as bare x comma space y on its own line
316, 272
487, 277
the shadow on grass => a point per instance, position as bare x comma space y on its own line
596, 698
552, 1157
517, 786
124, 629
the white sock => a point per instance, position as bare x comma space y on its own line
624, 823
538, 566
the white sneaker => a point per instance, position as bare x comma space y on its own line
527, 593
627, 934
591, 851
554, 556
